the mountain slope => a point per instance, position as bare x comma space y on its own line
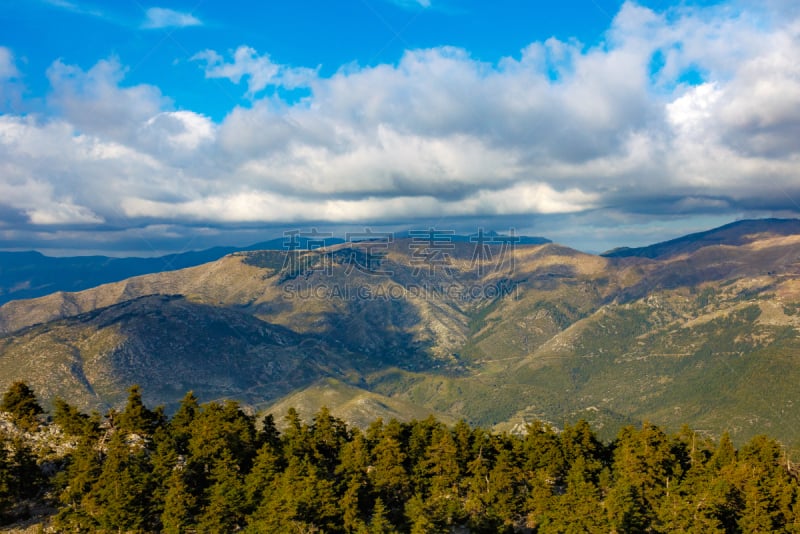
354, 405
708, 337
172, 345
733, 234
25, 275
30, 274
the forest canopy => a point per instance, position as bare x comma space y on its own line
214, 468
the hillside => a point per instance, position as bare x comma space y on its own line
733, 234
30, 274
498, 335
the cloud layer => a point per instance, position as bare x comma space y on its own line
691, 111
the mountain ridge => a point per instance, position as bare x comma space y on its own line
31, 274
708, 337
735, 233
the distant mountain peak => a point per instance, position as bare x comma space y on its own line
737, 233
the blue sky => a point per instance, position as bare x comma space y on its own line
136, 127
156, 43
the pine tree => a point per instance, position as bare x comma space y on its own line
266, 468
354, 462
221, 430
725, 453
136, 418
579, 441
75, 484
279, 506
226, 502
767, 488
180, 426
379, 523
295, 439
419, 518
476, 498
541, 449
120, 498
180, 506
269, 432
440, 475
20, 401
626, 509
299, 498
7, 482
72, 421
328, 435
580, 508
164, 460
503, 489
644, 464
388, 474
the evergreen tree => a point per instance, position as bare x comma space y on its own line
75, 484
72, 421
626, 509
279, 506
388, 474
226, 502
328, 434
120, 498
540, 500
20, 401
266, 468
725, 454
767, 492
379, 523
295, 439
299, 498
541, 449
580, 442
580, 508
180, 426
419, 519
136, 418
644, 464
504, 495
269, 432
6, 484
209, 470
218, 431
180, 505
476, 489
164, 460
354, 463
439, 490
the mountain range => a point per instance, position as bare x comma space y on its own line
701, 330
31, 274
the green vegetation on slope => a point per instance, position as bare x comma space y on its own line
211, 468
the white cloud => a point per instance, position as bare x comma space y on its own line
64, 212
691, 110
11, 87
259, 70
94, 101
183, 131
8, 68
160, 17
560, 128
